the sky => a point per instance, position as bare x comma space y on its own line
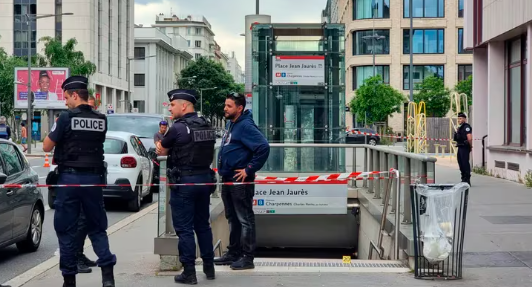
227, 19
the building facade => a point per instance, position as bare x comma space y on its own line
234, 68
158, 59
195, 29
219, 56
500, 37
437, 44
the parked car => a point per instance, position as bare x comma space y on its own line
144, 126
21, 209
361, 138
128, 163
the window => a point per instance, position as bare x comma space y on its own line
424, 42
198, 44
460, 8
424, 8
139, 105
198, 31
362, 73
188, 42
12, 159
363, 42
114, 146
368, 9
515, 91
139, 52
464, 71
139, 80
420, 73
198, 56
461, 42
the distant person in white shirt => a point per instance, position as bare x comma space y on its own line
44, 86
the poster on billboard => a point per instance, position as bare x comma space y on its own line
249, 102
298, 70
301, 198
46, 86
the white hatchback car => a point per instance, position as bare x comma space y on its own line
128, 164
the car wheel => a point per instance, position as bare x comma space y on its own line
51, 198
372, 142
136, 202
33, 238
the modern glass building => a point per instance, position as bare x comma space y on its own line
298, 93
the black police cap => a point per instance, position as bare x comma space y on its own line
181, 94
462, 115
75, 83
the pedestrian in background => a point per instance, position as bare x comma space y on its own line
24, 136
464, 141
163, 127
78, 136
244, 150
5, 130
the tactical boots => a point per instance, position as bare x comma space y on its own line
108, 278
69, 280
188, 276
208, 269
227, 259
85, 260
243, 263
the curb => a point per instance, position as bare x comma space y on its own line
29, 275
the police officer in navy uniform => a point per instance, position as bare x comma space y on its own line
464, 142
189, 144
5, 130
78, 136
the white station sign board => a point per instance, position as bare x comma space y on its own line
298, 70
300, 198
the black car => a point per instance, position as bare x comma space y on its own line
21, 208
144, 126
356, 138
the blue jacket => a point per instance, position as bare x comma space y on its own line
243, 147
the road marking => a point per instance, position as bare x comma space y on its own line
54, 261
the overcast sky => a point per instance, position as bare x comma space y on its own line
227, 16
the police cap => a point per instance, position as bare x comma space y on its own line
75, 83
180, 94
462, 115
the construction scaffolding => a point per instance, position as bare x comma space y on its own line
459, 103
416, 127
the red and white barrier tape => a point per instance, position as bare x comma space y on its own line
401, 137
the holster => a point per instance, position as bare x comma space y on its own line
53, 177
173, 175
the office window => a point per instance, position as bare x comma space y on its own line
420, 73
197, 56
464, 71
425, 41
198, 31
461, 42
198, 44
363, 43
139, 80
516, 62
139, 52
460, 8
361, 73
368, 9
424, 8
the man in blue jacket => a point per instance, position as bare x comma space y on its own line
244, 150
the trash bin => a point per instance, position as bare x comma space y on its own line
439, 217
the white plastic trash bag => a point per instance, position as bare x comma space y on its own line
437, 217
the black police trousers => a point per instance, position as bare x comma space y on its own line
68, 204
82, 232
463, 162
191, 213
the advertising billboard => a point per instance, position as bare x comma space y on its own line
298, 70
301, 198
46, 86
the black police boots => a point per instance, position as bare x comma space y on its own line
69, 280
243, 263
208, 269
86, 261
227, 259
188, 276
108, 278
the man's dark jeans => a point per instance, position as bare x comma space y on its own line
238, 203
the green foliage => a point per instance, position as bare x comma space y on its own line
376, 100
7, 81
466, 87
435, 95
209, 74
58, 55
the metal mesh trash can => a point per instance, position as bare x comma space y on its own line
449, 243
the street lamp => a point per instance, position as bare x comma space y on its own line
29, 19
201, 97
128, 68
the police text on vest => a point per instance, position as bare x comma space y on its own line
84, 124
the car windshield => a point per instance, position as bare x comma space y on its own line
141, 126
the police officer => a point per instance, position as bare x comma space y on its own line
78, 136
464, 142
5, 130
189, 144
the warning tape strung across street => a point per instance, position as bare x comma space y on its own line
401, 137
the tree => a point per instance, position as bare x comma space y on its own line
466, 87
209, 74
7, 81
58, 55
376, 100
433, 92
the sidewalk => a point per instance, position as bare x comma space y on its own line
498, 250
36, 151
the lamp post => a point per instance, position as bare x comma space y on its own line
29, 19
201, 97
